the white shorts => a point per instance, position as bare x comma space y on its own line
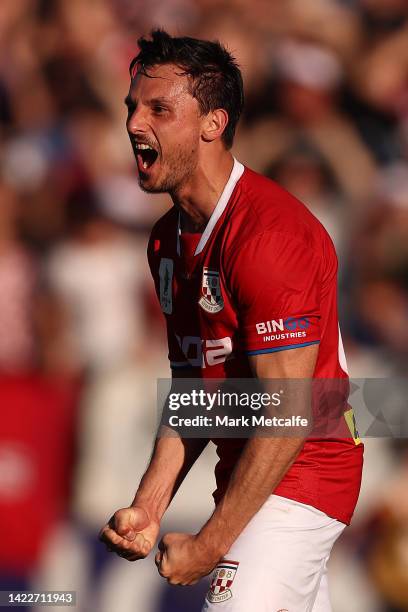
278, 563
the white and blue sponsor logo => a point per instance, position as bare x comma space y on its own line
291, 324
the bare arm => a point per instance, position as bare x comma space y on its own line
132, 532
264, 460
171, 461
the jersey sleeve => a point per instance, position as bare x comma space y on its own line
275, 281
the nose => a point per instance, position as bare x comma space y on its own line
137, 121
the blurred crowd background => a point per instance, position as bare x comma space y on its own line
81, 336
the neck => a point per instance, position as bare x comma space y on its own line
197, 198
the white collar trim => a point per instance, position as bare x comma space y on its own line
236, 173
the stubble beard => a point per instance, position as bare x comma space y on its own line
177, 170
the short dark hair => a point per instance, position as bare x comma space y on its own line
215, 77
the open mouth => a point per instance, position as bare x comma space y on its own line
145, 155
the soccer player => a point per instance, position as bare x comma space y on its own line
246, 279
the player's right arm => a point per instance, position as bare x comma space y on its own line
132, 532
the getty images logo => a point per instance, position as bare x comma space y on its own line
291, 324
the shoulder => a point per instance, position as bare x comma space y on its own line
264, 207
163, 226
163, 231
161, 237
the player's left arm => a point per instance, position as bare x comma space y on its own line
183, 558
264, 460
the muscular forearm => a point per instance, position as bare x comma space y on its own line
262, 465
171, 460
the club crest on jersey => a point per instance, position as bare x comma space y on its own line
211, 298
222, 579
166, 284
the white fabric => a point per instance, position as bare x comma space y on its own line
282, 555
236, 173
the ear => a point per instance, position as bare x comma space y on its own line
214, 124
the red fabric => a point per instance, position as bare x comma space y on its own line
36, 458
277, 273
275, 279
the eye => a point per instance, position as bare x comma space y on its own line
158, 110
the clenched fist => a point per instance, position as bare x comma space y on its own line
184, 559
131, 533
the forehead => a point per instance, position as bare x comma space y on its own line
166, 80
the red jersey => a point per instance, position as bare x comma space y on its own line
262, 277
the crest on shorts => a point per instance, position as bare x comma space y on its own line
222, 579
166, 284
211, 296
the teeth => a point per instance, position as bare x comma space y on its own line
145, 165
144, 147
